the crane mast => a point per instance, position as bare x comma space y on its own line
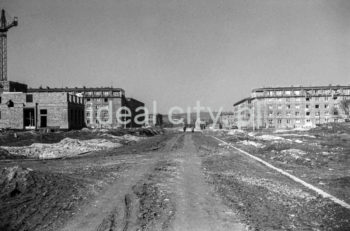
4, 27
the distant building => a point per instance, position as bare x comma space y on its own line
33, 110
291, 107
155, 120
227, 119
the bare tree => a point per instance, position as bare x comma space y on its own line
345, 107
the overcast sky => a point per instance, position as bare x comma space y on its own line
179, 51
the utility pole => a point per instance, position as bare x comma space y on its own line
4, 27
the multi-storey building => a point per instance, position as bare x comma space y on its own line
102, 105
291, 107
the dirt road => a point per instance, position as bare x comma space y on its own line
198, 206
168, 182
176, 175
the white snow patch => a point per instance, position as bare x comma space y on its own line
66, 147
269, 137
235, 132
252, 143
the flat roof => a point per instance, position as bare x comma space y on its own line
83, 89
300, 88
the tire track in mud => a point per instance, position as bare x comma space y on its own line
136, 201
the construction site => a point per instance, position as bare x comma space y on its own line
277, 160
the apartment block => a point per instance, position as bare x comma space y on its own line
291, 107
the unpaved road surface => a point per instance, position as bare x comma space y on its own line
167, 182
198, 206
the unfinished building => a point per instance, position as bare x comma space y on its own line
291, 107
103, 102
63, 108
34, 110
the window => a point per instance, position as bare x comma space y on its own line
288, 121
297, 113
307, 106
326, 98
308, 113
288, 106
10, 103
87, 121
297, 106
0, 115
29, 98
88, 99
279, 107
317, 113
317, 106
279, 121
0, 99
335, 97
106, 100
43, 111
307, 99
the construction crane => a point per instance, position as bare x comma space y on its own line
4, 27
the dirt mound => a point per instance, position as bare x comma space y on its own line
22, 190
65, 148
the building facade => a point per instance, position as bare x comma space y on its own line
291, 107
23, 110
102, 104
227, 120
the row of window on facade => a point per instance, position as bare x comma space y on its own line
298, 106
102, 93
311, 92
298, 99
297, 113
75, 99
298, 121
97, 99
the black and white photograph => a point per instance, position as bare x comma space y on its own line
174, 115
